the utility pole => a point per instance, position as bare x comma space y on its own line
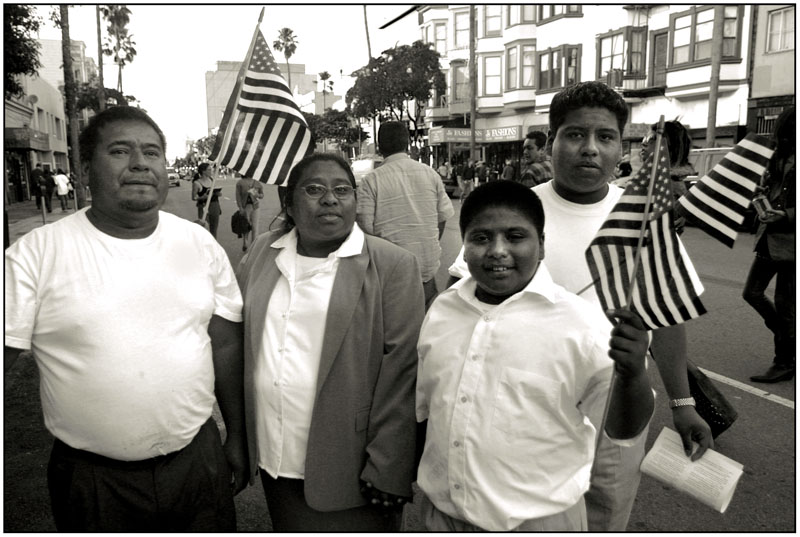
716, 61
101, 90
473, 82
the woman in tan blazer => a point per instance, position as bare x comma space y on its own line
331, 320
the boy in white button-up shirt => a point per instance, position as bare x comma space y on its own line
508, 362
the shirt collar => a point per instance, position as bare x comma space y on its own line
541, 284
396, 156
352, 245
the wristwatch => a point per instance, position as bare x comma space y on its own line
683, 401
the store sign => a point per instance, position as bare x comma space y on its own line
439, 135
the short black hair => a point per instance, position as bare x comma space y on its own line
202, 167
679, 142
88, 138
297, 173
538, 137
392, 138
592, 94
509, 194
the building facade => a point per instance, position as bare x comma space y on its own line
658, 57
220, 84
773, 56
84, 68
35, 132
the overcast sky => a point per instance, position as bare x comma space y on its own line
177, 44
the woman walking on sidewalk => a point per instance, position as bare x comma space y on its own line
62, 189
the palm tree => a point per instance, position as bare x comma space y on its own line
122, 46
325, 76
287, 43
101, 89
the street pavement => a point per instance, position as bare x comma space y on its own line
730, 343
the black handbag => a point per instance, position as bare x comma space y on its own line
239, 224
711, 404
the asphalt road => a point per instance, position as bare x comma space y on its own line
730, 342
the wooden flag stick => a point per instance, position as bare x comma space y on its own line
632, 280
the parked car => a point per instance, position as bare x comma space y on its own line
172, 175
363, 166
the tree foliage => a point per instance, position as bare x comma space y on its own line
388, 84
20, 48
119, 43
335, 126
88, 96
287, 43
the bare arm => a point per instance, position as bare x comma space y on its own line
227, 349
669, 351
442, 225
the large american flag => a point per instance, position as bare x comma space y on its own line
718, 201
264, 134
667, 290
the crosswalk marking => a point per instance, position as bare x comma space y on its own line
749, 389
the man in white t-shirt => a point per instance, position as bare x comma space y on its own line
586, 125
134, 319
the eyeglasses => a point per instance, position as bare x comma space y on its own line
317, 191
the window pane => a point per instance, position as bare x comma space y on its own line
528, 13
528, 62
572, 66
683, 22
731, 11
702, 50
558, 9
605, 46
441, 39
511, 66
704, 31
573, 8
681, 37
680, 54
774, 42
556, 70
462, 29
605, 65
513, 15
491, 78
705, 15
729, 47
493, 14
729, 28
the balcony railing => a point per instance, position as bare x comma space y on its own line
26, 138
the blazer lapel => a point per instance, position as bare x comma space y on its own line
344, 298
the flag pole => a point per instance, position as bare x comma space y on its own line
221, 143
646, 216
234, 98
632, 280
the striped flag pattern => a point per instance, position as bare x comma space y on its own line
717, 202
265, 134
667, 290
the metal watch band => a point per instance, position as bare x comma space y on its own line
683, 401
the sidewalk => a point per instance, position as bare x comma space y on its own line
24, 217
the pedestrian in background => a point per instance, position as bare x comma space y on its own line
201, 189
774, 247
37, 182
509, 173
405, 203
331, 326
62, 189
248, 194
469, 179
47, 185
537, 167
134, 353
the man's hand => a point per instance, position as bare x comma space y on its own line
629, 342
236, 452
773, 215
692, 427
382, 500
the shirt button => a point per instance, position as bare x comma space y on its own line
463, 398
276, 383
456, 486
456, 443
486, 318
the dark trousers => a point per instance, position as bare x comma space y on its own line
289, 511
431, 291
779, 316
188, 490
212, 217
47, 194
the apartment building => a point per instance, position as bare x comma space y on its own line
84, 68
772, 85
657, 56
